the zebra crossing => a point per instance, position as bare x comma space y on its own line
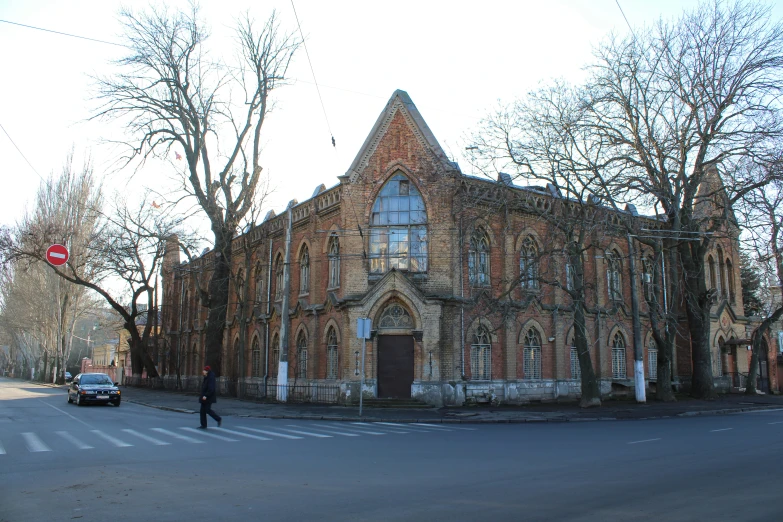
124, 438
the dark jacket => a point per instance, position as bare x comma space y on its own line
208, 388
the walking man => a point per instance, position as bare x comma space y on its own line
207, 398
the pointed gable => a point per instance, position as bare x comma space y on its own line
399, 113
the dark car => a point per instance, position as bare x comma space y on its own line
68, 377
93, 387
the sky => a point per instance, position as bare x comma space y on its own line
457, 60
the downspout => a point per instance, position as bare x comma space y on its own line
462, 305
268, 311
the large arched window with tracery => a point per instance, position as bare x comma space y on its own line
481, 355
301, 355
478, 259
398, 233
304, 270
528, 264
279, 287
334, 261
331, 353
618, 357
532, 355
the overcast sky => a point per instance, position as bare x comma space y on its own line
456, 59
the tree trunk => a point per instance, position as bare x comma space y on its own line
697, 306
218, 302
591, 391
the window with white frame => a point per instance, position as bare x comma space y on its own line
652, 360
481, 355
301, 355
398, 228
528, 264
256, 357
618, 357
532, 355
569, 277
304, 270
331, 354
647, 278
275, 355
613, 276
334, 261
576, 370
478, 259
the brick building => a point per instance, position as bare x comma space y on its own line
451, 284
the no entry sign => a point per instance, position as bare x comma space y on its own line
57, 255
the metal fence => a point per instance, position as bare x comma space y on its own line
312, 392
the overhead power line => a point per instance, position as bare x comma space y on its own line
61, 33
20, 152
307, 53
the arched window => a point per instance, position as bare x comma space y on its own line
528, 264
259, 279
730, 280
331, 353
652, 360
186, 311
275, 362
398, 234
618, 357
301, 355
194, 358
721, 274
240, 290
711, 270
279, 277
256, 357
334, 261
647, 278
481, 355
613, 276
304, 270
478, 259
532, 355
717, 363
576, 369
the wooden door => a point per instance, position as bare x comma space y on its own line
395, 366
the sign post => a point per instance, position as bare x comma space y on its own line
57, 255
363, 327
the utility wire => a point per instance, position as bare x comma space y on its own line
21, 153
61, 33
307, 53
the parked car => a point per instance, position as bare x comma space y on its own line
94, 387
68, 377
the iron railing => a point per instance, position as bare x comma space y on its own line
310, 392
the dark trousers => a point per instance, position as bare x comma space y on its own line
206, 409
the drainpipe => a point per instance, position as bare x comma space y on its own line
462, 304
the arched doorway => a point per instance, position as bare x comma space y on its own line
395, 352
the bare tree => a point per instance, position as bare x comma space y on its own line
671, 104
173, 96
762, 214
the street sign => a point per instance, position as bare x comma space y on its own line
363, 327
57, 255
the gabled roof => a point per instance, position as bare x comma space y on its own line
400, 101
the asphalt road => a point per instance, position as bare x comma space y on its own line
62, 462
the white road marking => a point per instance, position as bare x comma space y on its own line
33, 443
204, 432
778, 422
329, 430
66, 413
239, 433
2, 450
153, 440
178, 436
645, 440
73, 440
449, 427
113, 440
722, 429
319, 435
272, 433
409, 427
360, 430
375, 425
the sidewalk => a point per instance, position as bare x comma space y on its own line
611, 410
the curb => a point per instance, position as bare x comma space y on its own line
340, 418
